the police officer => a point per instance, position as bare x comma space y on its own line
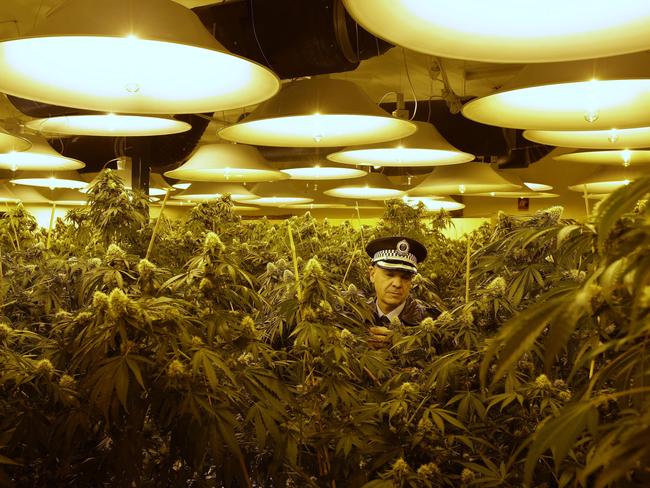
394, 264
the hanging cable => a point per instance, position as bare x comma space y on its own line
259, 45
408, 77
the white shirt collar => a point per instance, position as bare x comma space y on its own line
393, 313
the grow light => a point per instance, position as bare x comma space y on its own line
593, 139
145, 56
318, 112
39, 157
426, 147
115, 125
226, 162
504, 31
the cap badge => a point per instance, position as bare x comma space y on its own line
402, 248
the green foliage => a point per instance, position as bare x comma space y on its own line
237, 354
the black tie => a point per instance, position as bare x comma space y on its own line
385, 321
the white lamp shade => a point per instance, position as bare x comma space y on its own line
620, 157
279, 194
114, 125
607, 180
434, 204
144, 56
41, 156
318, 112
323, 201
503, 31
598, 94
322, 171
373, 186
633, 138
50, 179
12, 143
226, 162
462, 179
205, 191
426, 147
516, 194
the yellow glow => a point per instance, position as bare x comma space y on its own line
597, 139
10, 143
538, 186
323, 173
84, 55
434, 204
131, 80
204, 191
51, 182
621, 103
516, 194
181, 185
623, 157
226, 162
426, 147
600, 187
279, 201
109, 125
467, 178
507, 31
332, 130
364, 192
41, 156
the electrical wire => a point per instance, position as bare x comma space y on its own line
259, 45
408, 77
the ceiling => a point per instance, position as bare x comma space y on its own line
397, 70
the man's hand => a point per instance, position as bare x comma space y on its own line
379, 337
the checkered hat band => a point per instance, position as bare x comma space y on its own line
393, 265
393, 255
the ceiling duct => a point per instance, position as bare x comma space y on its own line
488, 143
292, 37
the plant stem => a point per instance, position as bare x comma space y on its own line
586, 197
354, 254
155, 228
356, 205
467, 269
295, 262
49, 230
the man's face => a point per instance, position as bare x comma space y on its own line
391, 286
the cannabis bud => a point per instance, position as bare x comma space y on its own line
113, 253
444, 319
100, 300
44, 367
197, 341
245, 358
213, 244
313, 268
400, 468
145, 267
429, 470
5, 331
543, 383
118, 303
176, 369
408, 389
497, 286
467, 476
67, 381
428, 325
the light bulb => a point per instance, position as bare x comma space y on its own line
318, 137
592, 114
626, 154
132, 87
493, 193
613, 136
461, 188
